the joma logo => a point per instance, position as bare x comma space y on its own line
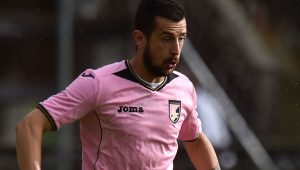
131, 109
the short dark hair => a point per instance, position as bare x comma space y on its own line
148, 10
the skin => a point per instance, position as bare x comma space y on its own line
202, 153
29, 135
156, 57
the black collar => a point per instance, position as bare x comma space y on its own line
129, 74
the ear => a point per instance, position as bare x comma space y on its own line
139, 38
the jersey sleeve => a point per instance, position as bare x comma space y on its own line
73, 103
191, 127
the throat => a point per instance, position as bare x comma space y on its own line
144, 75
153, 84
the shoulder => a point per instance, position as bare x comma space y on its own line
92, 77
179, 77
181, 82
106, 70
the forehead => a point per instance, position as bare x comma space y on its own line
172, 27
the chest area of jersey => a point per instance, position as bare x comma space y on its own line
149, 112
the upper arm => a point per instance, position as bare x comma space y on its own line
201, 153
37, 119
74, 102
29, 134
190, 145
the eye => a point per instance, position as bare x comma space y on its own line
167, 38
182, 38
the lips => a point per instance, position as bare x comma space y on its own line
172, 63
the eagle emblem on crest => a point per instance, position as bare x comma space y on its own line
174, 110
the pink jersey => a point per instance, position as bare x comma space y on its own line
124, 123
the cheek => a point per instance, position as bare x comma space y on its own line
160, 55
161, 51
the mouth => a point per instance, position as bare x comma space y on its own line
171, 64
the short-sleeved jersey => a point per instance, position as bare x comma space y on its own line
124, 123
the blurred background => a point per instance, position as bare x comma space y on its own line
251, 47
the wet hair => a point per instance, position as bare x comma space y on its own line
148, 10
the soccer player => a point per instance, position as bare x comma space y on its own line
131, 112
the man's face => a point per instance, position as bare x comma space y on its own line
163, 48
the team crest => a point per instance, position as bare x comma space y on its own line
174, 110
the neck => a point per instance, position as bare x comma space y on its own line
140, 69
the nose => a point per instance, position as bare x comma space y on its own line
176, 47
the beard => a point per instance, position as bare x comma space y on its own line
148, 60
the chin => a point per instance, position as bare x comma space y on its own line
163, 72
168, 72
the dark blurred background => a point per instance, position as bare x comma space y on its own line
252, 48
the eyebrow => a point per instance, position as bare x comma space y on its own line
168, 33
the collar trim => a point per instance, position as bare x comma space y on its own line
142, 82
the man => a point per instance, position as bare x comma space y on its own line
131, 112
